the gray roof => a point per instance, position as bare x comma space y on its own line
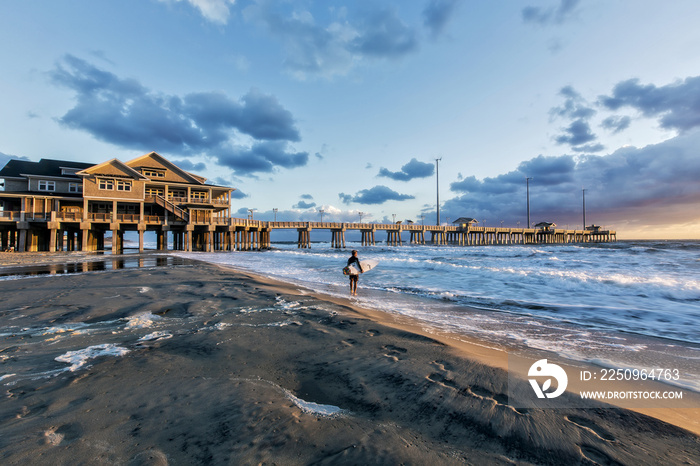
44, 167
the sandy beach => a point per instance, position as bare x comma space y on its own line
198, 364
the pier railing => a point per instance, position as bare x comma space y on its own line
439, 234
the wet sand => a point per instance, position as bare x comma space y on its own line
229, 368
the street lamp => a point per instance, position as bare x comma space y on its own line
437, 178
275, 212
422, 219
584, 208
527, 180
321, 211
250, 211
394, 217
361, 214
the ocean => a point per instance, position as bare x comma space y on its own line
628, 304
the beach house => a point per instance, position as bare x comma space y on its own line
55, 205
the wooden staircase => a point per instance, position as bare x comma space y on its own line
172, 208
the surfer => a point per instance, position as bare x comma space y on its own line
354, 277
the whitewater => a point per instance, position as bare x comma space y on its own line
622, 304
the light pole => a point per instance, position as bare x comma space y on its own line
251, 213
584, 208
321, 211
422, 219
394, 217
275, 212
527, 180
437, 177
361, 214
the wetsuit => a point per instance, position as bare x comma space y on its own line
354, 260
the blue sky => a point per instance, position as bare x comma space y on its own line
345, 105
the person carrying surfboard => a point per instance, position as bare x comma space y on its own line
355, 276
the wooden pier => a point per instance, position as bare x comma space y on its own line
255, 234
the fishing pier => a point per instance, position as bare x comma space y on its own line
246, 234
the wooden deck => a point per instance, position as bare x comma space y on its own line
70, 231
438, 234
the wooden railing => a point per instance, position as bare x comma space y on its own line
171, 207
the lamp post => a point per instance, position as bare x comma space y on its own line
361, 214
584, 208
437, 177
250, 211
527, 180
422, 219
393, 216
275, 212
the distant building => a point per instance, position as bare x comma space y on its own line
55, 205
546, 226
465, 222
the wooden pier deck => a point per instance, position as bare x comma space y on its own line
255, 234
71, 232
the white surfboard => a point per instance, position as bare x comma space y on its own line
368, 264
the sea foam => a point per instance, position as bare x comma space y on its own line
79, 359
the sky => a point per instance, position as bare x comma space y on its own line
340, 110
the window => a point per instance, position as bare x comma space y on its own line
123, 185
47, 185
75, 188
175, 193
155, 192
154, 173
106, 185
199, 195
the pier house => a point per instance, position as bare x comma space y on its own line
54, 205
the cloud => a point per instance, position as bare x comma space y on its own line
574, 107
304, 205
376, 195
384, 35
578, 134
216, 11
616, 123
126, 113
413, 169
437, 14
189, 166
589, 148
237, 194
653, 185
552, 15
261, 157
329, 47
4, 158
306, 196
677, 105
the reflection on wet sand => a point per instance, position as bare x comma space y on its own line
108, 263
